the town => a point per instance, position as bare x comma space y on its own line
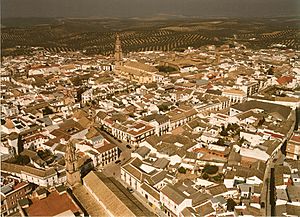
208, 131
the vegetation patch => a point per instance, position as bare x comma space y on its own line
182, 170
166, 68
210, 169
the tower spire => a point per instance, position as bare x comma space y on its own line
118, 50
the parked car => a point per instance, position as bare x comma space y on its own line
130, 189
117, 161
128, 146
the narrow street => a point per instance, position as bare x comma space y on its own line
111, 139
125, 152
114, 170
265, 195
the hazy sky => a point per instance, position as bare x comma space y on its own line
132, 8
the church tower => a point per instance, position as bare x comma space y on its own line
72, 170
118, 51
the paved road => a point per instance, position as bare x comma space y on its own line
265, 195
125, 152
111, 139
114, 169
266, 187
154, 209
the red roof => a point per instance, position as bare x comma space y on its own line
285, 79
19, 185
205, 150
52, 205
274, 135
295, 138
106, 147
209, 86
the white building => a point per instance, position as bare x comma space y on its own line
235, 95
46, 178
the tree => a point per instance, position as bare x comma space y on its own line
241, 141
218, 177
205, 176
47, 111
232, 127
210, 169
271, 71
182, 170
131, 115
221, 142
20, 144
22, 160
179, 49
223, 133
230, 204
261, 121
76, 81
78, 94
163, 107
166, 68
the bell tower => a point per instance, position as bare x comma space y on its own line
72, 170
118, 51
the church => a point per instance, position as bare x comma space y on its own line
133, 70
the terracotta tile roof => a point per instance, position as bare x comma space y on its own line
284, 79
234, 91
150, 190
157, 117
205, 209
284, 111
89, 203
153, 140
106, 147
134, 172
218, 189
52, 205
8, 167
114, 196
173, 194
295, 138
139, 129
140, 66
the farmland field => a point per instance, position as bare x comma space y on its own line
97, 36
